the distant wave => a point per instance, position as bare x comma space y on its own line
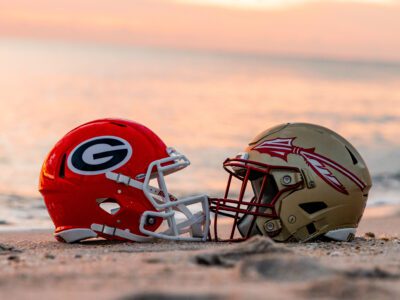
387, 179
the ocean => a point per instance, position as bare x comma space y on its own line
206, 105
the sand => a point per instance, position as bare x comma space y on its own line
34, 266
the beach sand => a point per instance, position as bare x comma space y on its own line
34, 266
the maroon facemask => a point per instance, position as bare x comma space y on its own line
244, 210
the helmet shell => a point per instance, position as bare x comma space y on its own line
336, 179
72, 190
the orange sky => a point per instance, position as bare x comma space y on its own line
257, 4
325, 29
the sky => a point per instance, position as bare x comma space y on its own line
357, 30
268, 4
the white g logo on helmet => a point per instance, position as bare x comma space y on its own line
99, 155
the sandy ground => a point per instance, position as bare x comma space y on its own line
33, 265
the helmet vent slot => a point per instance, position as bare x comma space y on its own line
61, 172
311, 228
353, 158
109, 205
313, 207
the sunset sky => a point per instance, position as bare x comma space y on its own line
257, 4
360, 30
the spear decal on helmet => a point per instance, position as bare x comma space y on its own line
282, 147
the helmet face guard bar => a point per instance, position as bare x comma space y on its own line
256, 207
166, 205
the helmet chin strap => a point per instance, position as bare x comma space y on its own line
192, 225
247, 223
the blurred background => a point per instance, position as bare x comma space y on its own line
205, 75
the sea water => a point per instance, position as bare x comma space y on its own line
206, 105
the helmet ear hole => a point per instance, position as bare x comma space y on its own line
109, 205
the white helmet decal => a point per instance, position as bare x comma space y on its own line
282, 147
99, 155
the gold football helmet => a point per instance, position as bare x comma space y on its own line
306, 182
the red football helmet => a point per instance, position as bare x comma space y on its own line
96, 182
